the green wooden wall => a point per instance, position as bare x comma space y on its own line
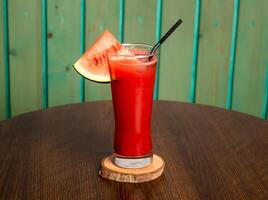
252, 57
63, 38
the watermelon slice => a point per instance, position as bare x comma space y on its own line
93, 64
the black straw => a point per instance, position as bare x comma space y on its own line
157, 45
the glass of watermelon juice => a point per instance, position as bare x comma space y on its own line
132, 75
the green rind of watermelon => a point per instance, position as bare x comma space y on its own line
89, 75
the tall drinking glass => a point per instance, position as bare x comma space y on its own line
132, 83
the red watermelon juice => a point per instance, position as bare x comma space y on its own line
132, 85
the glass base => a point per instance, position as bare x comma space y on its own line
132, 162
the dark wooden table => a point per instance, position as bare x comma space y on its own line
210, 153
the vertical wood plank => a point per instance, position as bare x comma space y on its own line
192, 96
229, 99
6, 57
2, 70
176, 52
251, 57
214, 48
140, 18
100, 15
25, 55
63, 51
121, 23
158, 33
44, 54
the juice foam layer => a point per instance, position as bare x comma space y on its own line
134, 56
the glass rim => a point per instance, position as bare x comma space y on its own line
136, 56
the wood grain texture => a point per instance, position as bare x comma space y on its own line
25, 56
214, 52
2, 70
63, 51
251, 59
100, 15
110, 171
210, 153
176, 52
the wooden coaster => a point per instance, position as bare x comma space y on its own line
110, 171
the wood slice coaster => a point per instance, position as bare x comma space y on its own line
110, 171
